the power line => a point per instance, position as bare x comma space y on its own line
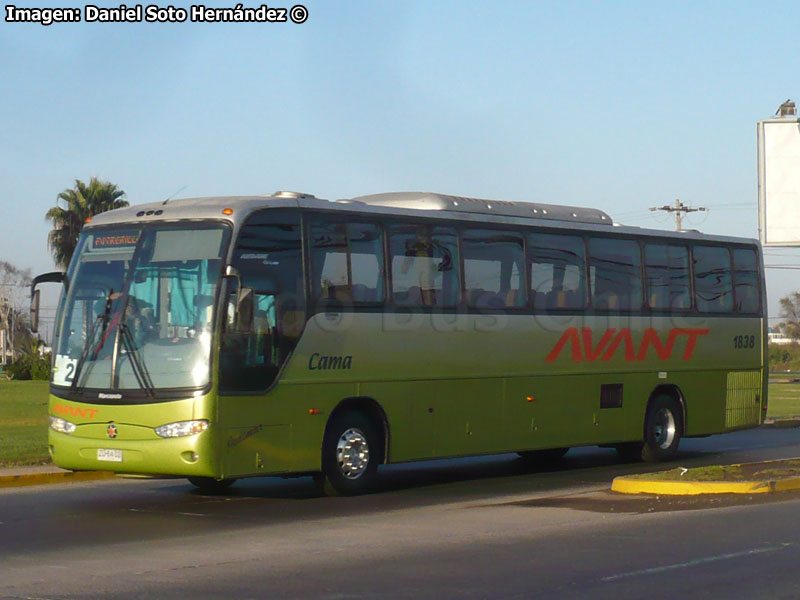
640, 215
734, 205
678, 209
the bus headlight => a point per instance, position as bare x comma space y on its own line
181, 428
60, 425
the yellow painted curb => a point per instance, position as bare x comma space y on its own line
630, 485
52, 477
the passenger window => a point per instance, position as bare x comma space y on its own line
424, 265
712, 279
557, 271
667, 275
347, 262
747, 282
329, 261
493, 269
615, 274
366, 262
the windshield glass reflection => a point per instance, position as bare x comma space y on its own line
139, 309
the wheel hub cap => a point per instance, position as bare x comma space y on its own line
664, 428
352, 453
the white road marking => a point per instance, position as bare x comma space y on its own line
167, 512
692, 563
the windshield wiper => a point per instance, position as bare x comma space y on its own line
101, 318
137, 363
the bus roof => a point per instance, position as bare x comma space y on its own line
411, 204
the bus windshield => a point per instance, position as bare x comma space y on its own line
138, 310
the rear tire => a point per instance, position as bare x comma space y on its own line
543, 457
663, 427
630, 451
210, 485
351, 451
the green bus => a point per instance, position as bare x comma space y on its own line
223, 338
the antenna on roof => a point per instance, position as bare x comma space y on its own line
173, 195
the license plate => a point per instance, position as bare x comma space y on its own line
109, 455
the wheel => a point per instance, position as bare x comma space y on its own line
543, 457
663, 426
351, 452
211, 485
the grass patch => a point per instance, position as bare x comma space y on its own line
23, 423
713, 473
779, 469
784, 400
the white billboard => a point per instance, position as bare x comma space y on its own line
779, 182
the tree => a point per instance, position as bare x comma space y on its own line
790, 310
83, 201
14, 284
32, 363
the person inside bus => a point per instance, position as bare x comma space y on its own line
139, 318
418, 257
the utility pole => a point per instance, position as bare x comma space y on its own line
679, 208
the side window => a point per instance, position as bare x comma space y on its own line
557, 271
615, 273
493, 269
347, 262
366, 262
712, 279
747, 282
666, 270
329, 279
424, 265
269, 308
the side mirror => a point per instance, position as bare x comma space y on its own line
54, 277
35, 311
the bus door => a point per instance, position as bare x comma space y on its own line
265, 314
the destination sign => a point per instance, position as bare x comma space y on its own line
120, 239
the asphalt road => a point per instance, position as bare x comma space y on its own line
491, 527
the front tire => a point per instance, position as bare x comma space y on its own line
351, 452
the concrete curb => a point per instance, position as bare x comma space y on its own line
626, 485
633, 484
50, 477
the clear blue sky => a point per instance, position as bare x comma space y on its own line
615, 105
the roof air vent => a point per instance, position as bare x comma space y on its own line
287, 194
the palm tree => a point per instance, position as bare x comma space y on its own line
83, 201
